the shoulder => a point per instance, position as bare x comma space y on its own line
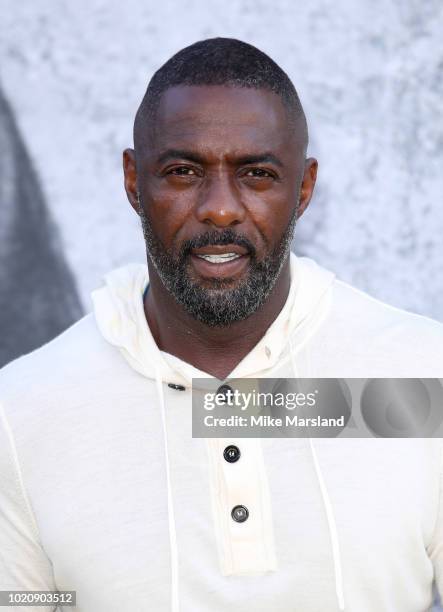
79, 355
359, 306
386, 331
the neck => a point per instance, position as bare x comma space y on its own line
215, 350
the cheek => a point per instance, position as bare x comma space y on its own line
270, 214
168, 213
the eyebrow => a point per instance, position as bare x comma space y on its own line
198, 159
265, 158
179, 153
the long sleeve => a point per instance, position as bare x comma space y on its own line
23, 562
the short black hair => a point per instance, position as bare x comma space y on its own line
220, 61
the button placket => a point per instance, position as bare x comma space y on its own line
241, 508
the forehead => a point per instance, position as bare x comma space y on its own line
220, 117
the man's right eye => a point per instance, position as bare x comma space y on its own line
182, 171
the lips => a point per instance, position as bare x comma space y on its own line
220, 261
221, 250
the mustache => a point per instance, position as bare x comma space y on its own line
214, 238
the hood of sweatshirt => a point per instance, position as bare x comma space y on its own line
119, 313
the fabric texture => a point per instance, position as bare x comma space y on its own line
104, 491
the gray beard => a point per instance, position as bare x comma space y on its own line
217, 305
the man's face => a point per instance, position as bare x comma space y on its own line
219, 181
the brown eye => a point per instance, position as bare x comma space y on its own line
182, 171
259, 173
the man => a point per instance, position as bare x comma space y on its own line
103, 488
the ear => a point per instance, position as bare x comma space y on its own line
130, 172
308, 184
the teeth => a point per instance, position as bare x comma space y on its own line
222, 258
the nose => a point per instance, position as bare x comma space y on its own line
220, 203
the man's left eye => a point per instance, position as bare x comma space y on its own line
259, 173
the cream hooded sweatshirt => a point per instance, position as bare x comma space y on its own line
104, 491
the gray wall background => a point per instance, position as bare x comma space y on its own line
370, 75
